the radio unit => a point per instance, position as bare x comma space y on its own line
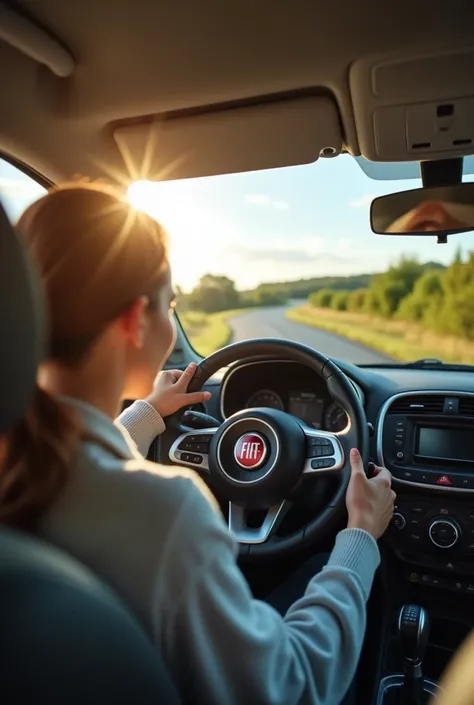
428, 438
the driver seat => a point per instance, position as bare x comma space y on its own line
65, 638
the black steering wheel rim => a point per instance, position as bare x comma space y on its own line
340, 388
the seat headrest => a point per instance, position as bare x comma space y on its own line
21, 326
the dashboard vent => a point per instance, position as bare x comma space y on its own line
466, 406
422, 404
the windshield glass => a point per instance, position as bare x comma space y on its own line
289, 253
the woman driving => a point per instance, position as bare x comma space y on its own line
155, 534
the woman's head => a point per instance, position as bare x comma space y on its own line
107, 282
104, 269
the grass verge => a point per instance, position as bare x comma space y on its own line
208, 332
398, 339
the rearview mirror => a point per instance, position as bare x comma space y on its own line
441, 211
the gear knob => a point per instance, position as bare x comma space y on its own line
413, 633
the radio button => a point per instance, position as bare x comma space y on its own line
444, 533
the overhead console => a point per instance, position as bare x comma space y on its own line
414, 108
427, 439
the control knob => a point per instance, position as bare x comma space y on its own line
399, 521
444, 533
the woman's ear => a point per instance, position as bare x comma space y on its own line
134, 322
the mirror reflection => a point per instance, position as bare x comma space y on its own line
437, 210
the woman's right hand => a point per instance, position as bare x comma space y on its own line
370, 502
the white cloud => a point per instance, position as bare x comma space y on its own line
362, 201
263, 199
281, 205
344, 244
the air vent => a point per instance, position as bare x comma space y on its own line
423, 404
466, 406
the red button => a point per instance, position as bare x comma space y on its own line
444, 480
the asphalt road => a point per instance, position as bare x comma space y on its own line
271, 323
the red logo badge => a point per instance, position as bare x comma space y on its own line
250, 451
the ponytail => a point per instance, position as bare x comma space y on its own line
39, 454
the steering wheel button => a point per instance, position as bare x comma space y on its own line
316, 464
328, 450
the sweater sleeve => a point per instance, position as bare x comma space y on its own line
143, 424
226, 646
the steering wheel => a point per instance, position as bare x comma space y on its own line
257, 456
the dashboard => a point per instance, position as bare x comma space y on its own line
423, 423
284, 385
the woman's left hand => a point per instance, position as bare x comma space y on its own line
170, 391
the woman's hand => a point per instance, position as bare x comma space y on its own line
170, 391
370, 502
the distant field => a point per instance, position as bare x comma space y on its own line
208, 332
398, 339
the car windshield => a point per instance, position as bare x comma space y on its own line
289, 253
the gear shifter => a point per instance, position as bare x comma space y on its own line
413, 633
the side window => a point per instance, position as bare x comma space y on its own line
17, 190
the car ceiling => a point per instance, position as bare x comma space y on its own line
220, 85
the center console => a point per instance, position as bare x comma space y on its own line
426, 440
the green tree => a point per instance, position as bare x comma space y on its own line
394, 285
263, 296
426, 298
214, 293
456, 313
339, 301
321, 298
356, 300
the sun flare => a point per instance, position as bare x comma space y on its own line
197, 241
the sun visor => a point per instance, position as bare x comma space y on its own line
413, 108
238, 139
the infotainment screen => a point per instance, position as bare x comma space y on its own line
447, 443
308, 407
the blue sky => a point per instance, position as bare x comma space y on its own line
272, 225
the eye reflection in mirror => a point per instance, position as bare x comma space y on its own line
441, 210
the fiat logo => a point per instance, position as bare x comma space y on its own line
250, 451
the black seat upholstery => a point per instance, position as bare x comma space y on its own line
64, 637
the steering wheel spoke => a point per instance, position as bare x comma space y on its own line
239, 523
192, 449
324, 452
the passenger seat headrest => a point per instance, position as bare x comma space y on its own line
21, 326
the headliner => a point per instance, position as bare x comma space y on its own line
139, 58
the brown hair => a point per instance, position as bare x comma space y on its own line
96, 256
